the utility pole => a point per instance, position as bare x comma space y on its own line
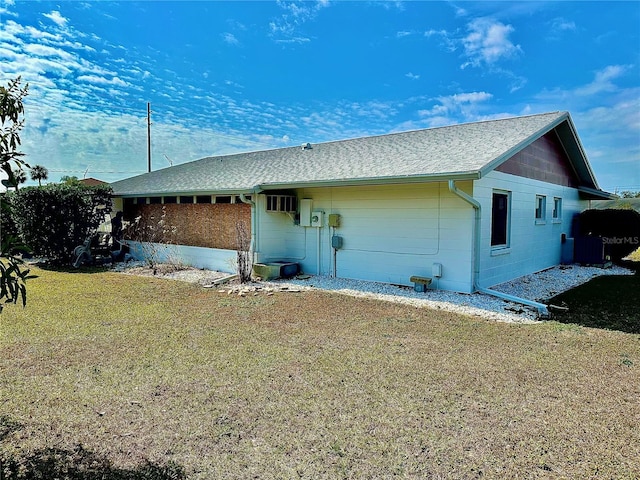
148, 136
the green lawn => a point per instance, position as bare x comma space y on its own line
108, 376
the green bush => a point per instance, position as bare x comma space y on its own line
54, 219
7, 224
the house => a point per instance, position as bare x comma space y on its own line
91, 182
468, 206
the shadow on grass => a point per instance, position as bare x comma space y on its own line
610, 302
76, 464
81, 464
69, 269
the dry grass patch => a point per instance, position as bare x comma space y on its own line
141, 372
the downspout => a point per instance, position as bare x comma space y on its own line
254, 221
541, 307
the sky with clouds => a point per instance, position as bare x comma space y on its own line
226, 77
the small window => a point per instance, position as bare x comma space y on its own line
170, 199
128, 202
223, 199
500, 211
203, 199
557, 209
155, 200
141, 200
282, 203
186, 199
541, 207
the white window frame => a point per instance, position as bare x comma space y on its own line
541, 210
501, 248
556, 214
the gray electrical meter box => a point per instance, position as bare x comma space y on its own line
336, 242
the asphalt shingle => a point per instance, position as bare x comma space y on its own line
442, 151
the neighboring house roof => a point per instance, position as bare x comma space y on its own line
91, 182
466, 151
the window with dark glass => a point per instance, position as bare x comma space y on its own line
557, 208
541, 207
500, 219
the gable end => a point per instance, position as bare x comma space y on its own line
544, 160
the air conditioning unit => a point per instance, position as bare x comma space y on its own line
282, 203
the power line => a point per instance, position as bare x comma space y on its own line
93, 171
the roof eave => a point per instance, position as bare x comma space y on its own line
596, 194
246, 191
348, 182
564, 117
495, 163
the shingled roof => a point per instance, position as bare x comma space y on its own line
466, 151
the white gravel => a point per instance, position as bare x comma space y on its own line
539, 286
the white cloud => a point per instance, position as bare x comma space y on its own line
412, 76
607, 117
46, 51
602, 81
5, 11
93, 79
560, 24
230, 38
488, 42
55, 17
455, 108
285, 28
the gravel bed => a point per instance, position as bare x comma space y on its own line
173, 272
538, 286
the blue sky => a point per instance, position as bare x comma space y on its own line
224, 77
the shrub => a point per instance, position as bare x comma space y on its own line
155, 238
54, 219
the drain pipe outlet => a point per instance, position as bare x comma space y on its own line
542, 309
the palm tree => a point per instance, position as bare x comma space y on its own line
19, 177
39, 173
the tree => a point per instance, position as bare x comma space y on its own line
66, 179
630, 194
12, 275
39, 173
19, 176
55, 218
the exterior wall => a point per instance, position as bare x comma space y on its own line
197, 224
545, 160
534, 245
209, 258
389, 234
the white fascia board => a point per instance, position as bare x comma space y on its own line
247, 191
350, 182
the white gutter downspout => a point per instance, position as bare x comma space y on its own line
541, 307
254, 221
